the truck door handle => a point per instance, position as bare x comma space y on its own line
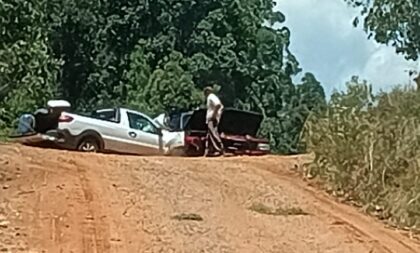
132, 134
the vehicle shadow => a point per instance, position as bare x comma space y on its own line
49, 145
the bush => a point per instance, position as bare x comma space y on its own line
4, 131
366, 151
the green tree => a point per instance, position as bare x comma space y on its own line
168, 85
159, 53
136, 80
311, 94
286, 126
27, 69
96, 39
392, 21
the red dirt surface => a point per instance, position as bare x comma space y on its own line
59, 201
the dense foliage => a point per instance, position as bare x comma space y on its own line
27, 69
150, 55
366, 145
392, 21
366, 149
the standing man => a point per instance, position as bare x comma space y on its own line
214, 112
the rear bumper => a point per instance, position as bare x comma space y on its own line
33, 138
37, 140
56, 138
240, 145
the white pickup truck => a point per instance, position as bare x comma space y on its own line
117, 130
110, 130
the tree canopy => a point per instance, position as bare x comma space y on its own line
392, 21
153, 54
27, 70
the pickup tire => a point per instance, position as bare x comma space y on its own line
88, 144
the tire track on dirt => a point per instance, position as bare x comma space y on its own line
356, 223
107, 204
95, 237
64, 165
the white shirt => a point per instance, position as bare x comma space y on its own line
212, 102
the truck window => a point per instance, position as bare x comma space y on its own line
108, 115
141, 123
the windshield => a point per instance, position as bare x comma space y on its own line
185, 119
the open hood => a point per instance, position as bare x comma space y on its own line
233, 122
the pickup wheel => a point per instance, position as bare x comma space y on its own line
88, 144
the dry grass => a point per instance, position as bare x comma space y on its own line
370, 155
280, 211
4, 132
187, 216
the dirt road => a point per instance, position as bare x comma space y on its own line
58, 201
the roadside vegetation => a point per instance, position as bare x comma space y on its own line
366, 145
366, 150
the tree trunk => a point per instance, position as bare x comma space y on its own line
417, 80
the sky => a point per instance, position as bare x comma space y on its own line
325, 43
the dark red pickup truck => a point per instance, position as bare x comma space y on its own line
238, 130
